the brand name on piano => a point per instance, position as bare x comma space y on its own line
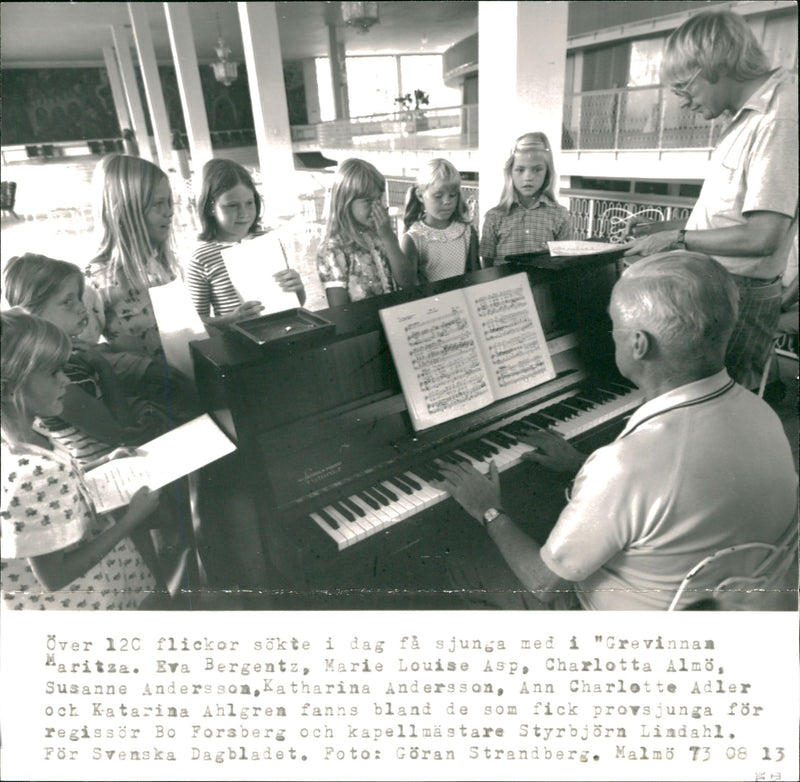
314, 477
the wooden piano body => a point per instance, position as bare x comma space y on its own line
320, 427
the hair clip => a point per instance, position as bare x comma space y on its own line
532, 141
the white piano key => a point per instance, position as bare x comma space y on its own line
353, 532
338, 537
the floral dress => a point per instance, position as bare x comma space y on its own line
129, 323
46, 508
363, 273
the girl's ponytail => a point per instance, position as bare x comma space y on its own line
414, 209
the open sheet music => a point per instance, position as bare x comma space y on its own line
157, 463
251, 265
459, 351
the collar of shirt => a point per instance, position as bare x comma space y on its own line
540, 201
691, 393
760, 100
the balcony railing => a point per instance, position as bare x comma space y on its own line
633, 118
455, 127
600, 215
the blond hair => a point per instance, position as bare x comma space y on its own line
127, 184
717, 43
355, 178
528, 142
435, 173
28, 344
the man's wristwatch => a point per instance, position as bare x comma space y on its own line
680, 242
491, 514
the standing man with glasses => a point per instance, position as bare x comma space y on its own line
746, 214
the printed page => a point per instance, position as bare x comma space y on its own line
159, 462
513, 341
251, 265
178, 324
437, 359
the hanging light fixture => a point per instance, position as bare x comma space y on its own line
360, 15
225, 71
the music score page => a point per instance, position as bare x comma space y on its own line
459, 351
157, 463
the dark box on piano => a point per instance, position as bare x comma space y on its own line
296, 326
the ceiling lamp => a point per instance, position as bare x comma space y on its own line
225, 71
360, 15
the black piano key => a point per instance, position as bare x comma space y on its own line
578, 404
386, 491
538, 420
377, 495
449, 458
431, 473
459, 458
353, 507
501, 438
400, 484
477, 450
414, 484
328, 519
559, 412
362, 495
492, 449
343, 509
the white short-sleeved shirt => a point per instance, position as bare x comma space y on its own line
754, 168
702, 467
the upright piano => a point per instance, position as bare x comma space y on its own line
343, 485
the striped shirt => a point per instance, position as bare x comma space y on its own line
82, 446
523, 229
209, 284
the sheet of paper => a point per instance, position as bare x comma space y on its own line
578, 247
178, 324
516, 350
251, 265
437, 359
157, 463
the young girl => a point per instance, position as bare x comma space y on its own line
57, 554
229, 207
135, 254
96, 416
439, 240
527, 216
359, 256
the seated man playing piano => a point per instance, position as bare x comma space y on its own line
702, 465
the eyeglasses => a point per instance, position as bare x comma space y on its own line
682, 91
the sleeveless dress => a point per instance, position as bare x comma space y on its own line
442, 252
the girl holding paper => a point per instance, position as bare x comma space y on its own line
57, 553
135, 254
230, 208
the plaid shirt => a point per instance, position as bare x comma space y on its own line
523, 230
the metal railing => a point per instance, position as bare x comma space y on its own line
455, 127
600, 215
633, 118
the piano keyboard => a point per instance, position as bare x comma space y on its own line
354, 518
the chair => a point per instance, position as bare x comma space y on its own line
8, 198
769, 578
